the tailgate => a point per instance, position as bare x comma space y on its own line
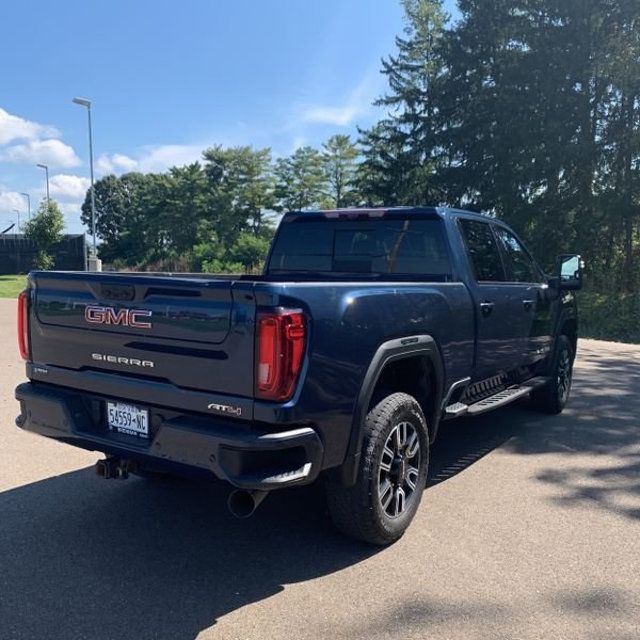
193, 333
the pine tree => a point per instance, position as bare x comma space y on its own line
383, 175
339, 158
403, 144
300, 180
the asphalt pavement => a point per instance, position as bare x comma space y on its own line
529, 529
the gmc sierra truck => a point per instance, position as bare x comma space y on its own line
367, 330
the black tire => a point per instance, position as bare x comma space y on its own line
553, 397
389, 462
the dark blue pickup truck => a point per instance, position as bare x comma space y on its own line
368, 328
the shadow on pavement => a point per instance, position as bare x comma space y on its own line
602, 422
462, 442
85, 558
81, 558
463, 619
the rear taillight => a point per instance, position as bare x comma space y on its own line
23, 324
281, 335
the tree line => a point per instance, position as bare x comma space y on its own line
218, 214
528, 110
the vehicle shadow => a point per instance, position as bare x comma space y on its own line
597, 437
81, 557
464, 441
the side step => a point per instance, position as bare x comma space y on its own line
499, 399
456, 410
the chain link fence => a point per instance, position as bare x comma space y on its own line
18, 254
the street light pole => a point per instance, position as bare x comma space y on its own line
18, 266
83, 102
46, 168
28, 197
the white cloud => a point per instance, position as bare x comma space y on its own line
71, 212
54, 153
358, 103
161, 157
17, 128
150, 159
337, 116
10, 200
69, 187
115, 163
298, 141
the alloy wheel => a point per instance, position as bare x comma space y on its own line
563, 379
399, 469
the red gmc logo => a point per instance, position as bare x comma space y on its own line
122, 317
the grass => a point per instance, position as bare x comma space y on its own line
11, 286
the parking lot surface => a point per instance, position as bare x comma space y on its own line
529, 528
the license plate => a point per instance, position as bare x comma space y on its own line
126, 418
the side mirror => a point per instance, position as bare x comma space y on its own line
570, 278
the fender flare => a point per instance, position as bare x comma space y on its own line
387, 352
567, 314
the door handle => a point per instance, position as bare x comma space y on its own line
486, 308
528, 304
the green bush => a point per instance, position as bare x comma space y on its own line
219, 266
609, 316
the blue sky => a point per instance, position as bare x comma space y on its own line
168, 79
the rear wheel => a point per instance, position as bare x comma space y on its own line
553, 397
392, 474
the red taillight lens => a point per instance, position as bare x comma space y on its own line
281, 338
23, 324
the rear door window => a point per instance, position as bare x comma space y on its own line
483, 251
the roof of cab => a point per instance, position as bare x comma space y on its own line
443, 212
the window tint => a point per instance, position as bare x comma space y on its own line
377, 246
520, 266
483, 251
303, 247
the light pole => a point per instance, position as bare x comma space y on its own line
28, 197
44, 166
83, 102
18, 243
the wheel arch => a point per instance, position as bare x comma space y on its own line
569, 328
412, 364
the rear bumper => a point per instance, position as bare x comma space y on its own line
241, 453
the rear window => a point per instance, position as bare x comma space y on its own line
377, 246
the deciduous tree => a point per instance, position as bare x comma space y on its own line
45, 229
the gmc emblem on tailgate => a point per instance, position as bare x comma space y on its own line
122, 317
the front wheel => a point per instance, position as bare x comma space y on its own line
553, 397
391, 477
